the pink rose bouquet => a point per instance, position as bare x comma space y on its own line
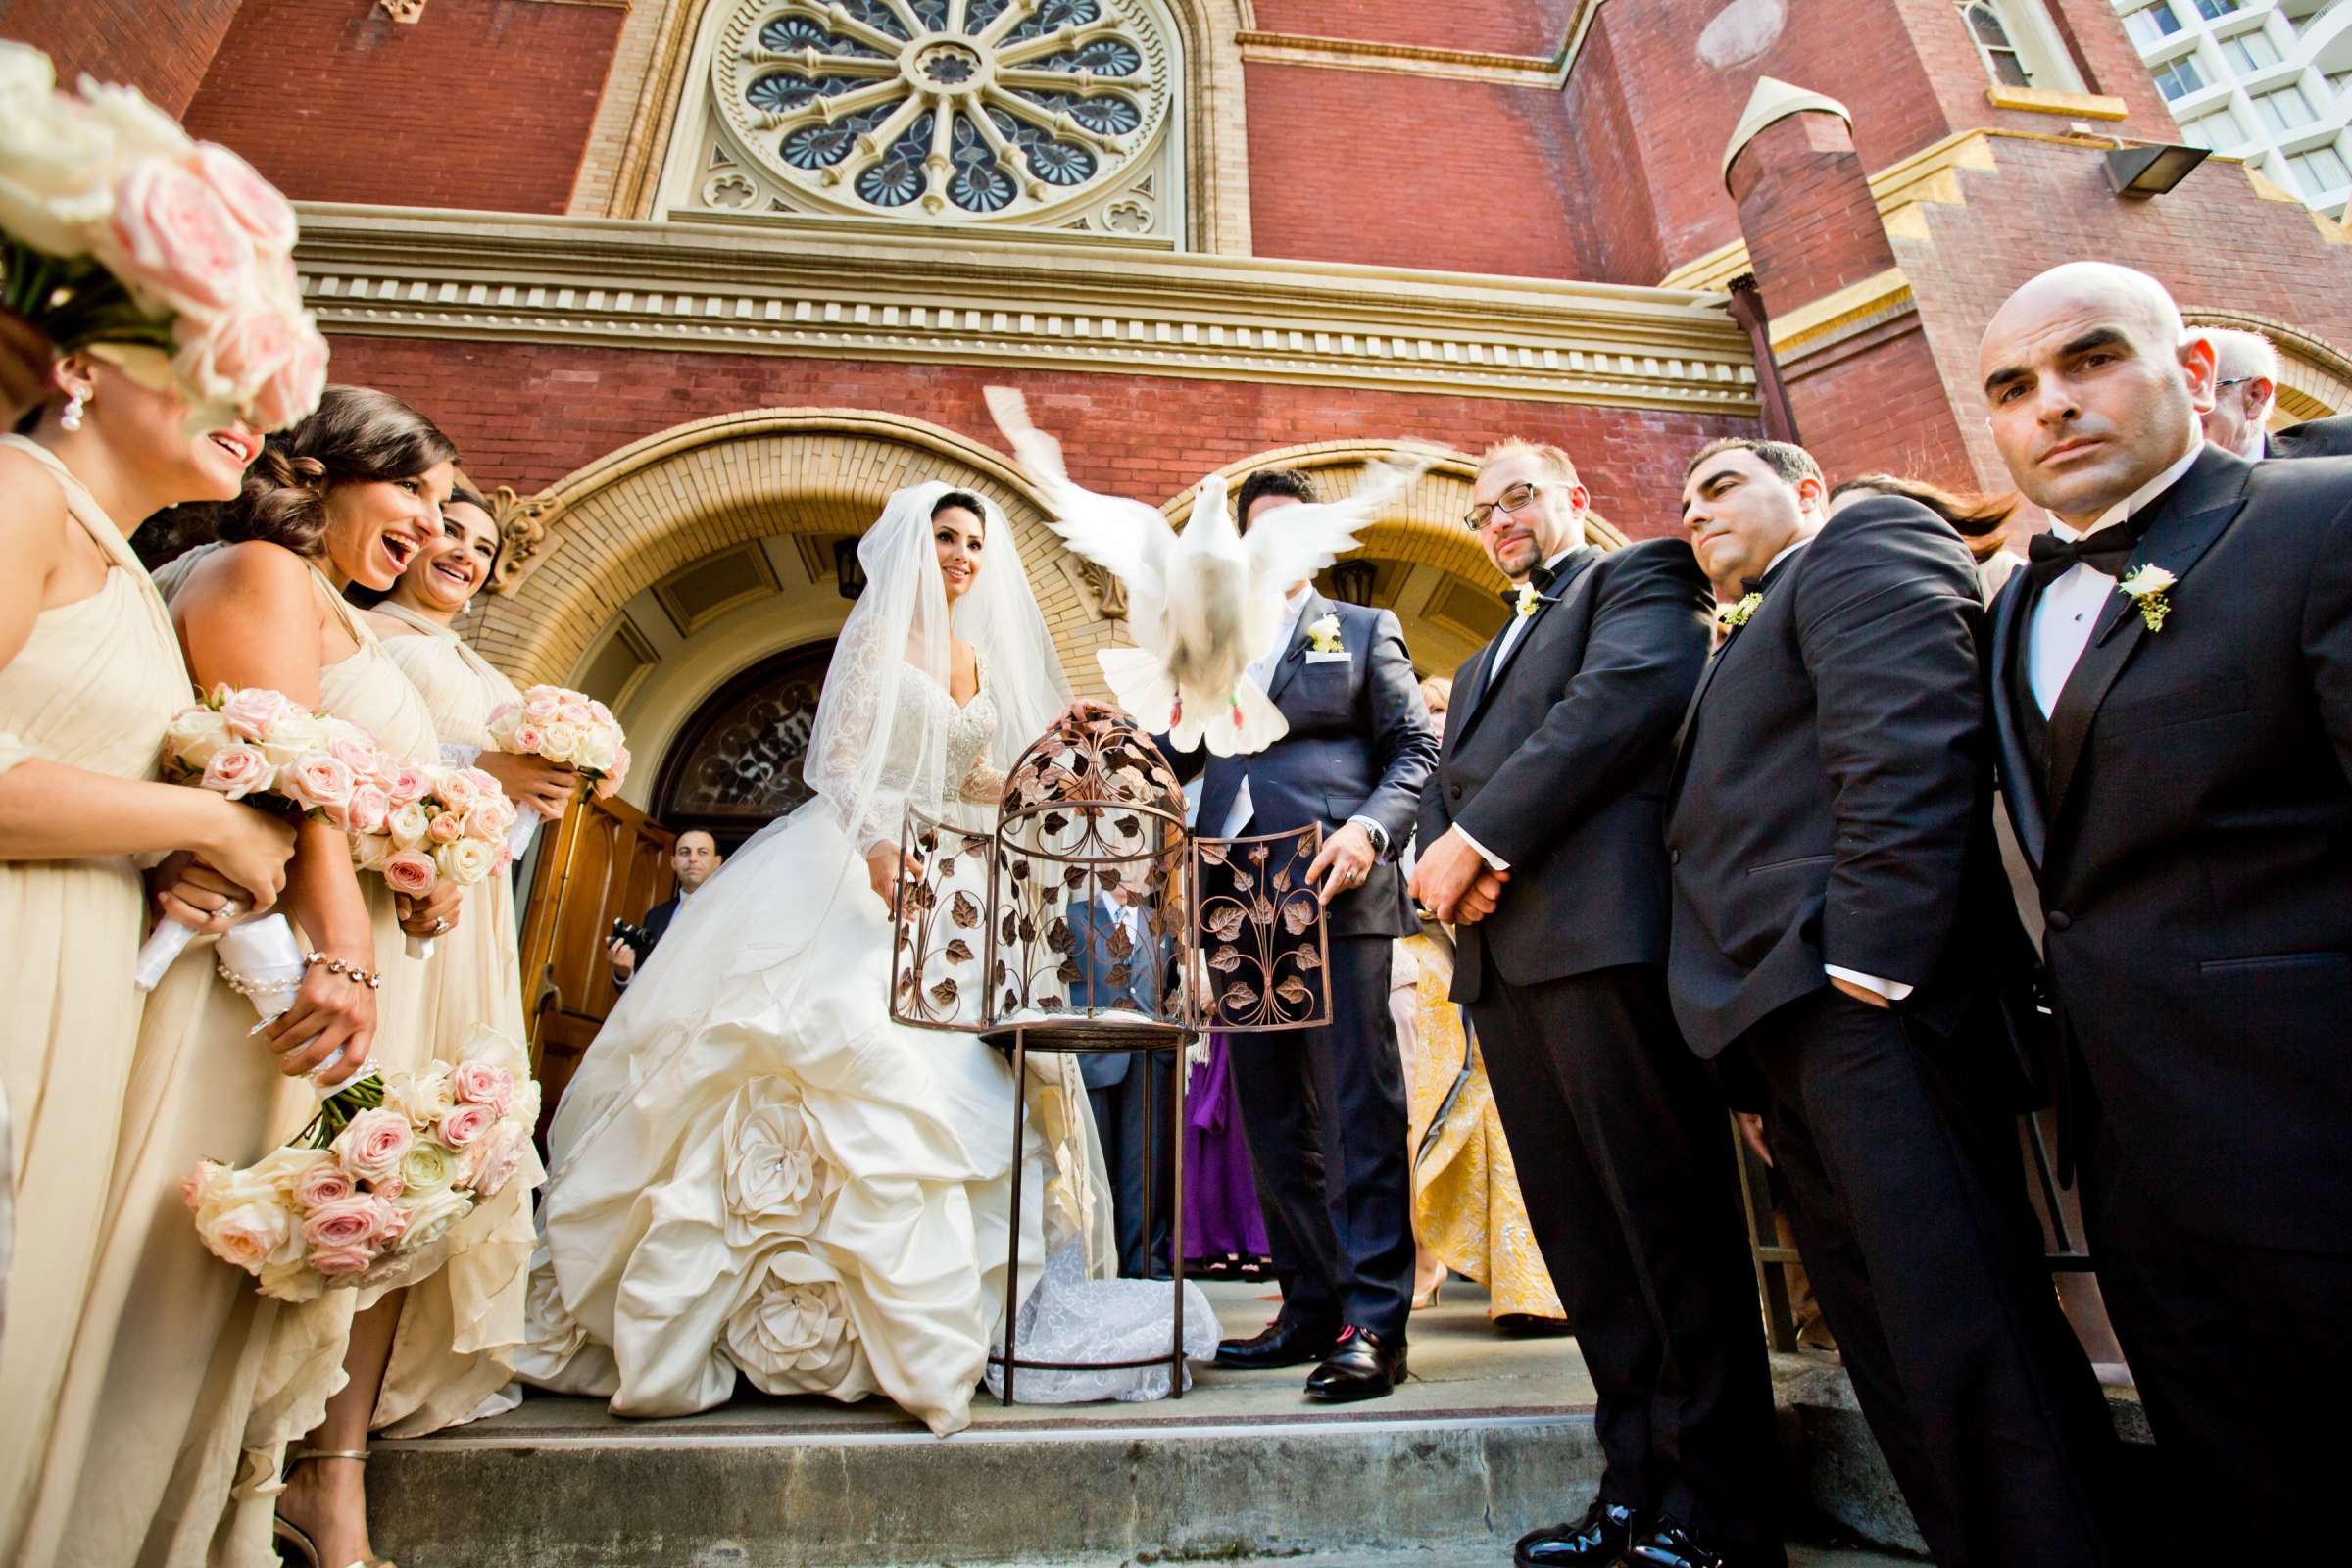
453, 827
566, 727
170, 257
385, 1170
257, 746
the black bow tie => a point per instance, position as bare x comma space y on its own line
2048, 557
1751, 585
1540, 579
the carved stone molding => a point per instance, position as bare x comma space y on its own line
1110, 591
1100, 307
408, 11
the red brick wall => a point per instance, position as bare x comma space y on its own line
1459, 176
481, 104
1878, 403
1494, 26
161, 50
527, 414
1617, 216
1805, 206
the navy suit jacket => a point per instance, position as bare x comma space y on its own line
1091, 925
1361, 744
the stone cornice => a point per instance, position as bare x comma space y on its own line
1547, 73
981, 300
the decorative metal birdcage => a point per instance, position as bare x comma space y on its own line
1087, 918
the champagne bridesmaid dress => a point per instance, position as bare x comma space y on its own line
93, 688
458, 1331
200, 1381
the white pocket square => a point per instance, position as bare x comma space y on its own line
1337, 658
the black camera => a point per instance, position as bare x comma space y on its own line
634, 935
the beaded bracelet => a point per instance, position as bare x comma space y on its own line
353, 970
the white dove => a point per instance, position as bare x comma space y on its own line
1202, 605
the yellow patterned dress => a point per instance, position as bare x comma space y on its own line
1466, 1203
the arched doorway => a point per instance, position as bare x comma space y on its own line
735, 765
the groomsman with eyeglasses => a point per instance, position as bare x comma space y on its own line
1540, 842
2172, 681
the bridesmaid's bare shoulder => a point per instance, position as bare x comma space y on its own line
388, 627
32, 511
258, 583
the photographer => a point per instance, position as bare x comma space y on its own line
694, 858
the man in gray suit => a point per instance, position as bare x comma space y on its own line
1111, 938
1324, 1109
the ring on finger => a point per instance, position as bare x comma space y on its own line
231, 909
440, 926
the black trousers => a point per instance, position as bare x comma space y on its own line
2241, 1354
1624, 1161
1909, 1206
1325, 1115
1141, 1204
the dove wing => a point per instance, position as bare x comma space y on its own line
1300, 541
1124, 537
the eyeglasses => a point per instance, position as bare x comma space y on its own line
2235, 381
1510, 503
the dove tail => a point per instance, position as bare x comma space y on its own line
1140, 680
1248, 723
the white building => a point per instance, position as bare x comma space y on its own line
2266, 81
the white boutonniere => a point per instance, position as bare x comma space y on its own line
1731, 617
1530, 595
2147, 588
1323, 635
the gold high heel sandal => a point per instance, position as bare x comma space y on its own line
293, 1535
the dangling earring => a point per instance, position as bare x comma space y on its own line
70, 418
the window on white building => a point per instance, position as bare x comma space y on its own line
2213, 10
2285, 110
2178, 78
2250, 51
2219, 130
2320, 172
2152, 25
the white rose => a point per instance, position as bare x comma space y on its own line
295, 1281
55, 158
290, 735
430, 1215
561, 741
285, 1167
194, 734
467, 861
140, 130
408, 824
250, 1235
369, 851
424, 1098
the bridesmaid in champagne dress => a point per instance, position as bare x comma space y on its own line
90, 674
459, 1333
205, 1379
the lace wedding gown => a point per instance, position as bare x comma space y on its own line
759, 1173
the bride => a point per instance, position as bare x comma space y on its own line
756, 1171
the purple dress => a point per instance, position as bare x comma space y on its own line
1222, 1221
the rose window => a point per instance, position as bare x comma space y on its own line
1010, 110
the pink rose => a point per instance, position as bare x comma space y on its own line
406, 784
237, 770
601, 714
489, 819
410, 871
391, 1221
235, 354
496, 1157
179, 239
364, 812
543, 705
485, 783
321, 781
610, 785
483, 1083
294, 390
529, 736
455, 787
361, 754
250, 712
447, 828
341, 1260
323, 1184
465, 1124
373, 1145
345, 1222
575, 713
251, 200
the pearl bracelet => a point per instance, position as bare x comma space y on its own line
352, 971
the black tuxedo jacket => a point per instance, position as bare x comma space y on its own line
2313, 438
2188, 815
1831, 802
1361, 744
657, 922
1558, 763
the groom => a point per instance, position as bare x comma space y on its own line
1324, 1109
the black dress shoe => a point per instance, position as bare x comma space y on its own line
1279, 1344
1596, 1540
1670, 1545
1359, 1367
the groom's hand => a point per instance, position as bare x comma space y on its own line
1449, 876
1347, 856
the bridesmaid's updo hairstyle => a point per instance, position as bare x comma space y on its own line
964, 499
357, 435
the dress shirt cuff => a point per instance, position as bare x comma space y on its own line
1891, 990
1484, 854
1375, 832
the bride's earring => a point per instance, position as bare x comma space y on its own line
70, 418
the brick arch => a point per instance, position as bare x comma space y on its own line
649, 93
1425, 527
582, 547
2315, 376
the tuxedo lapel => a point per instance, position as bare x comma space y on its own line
2192, 514
2021, 781
1294, 656
1491, 674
